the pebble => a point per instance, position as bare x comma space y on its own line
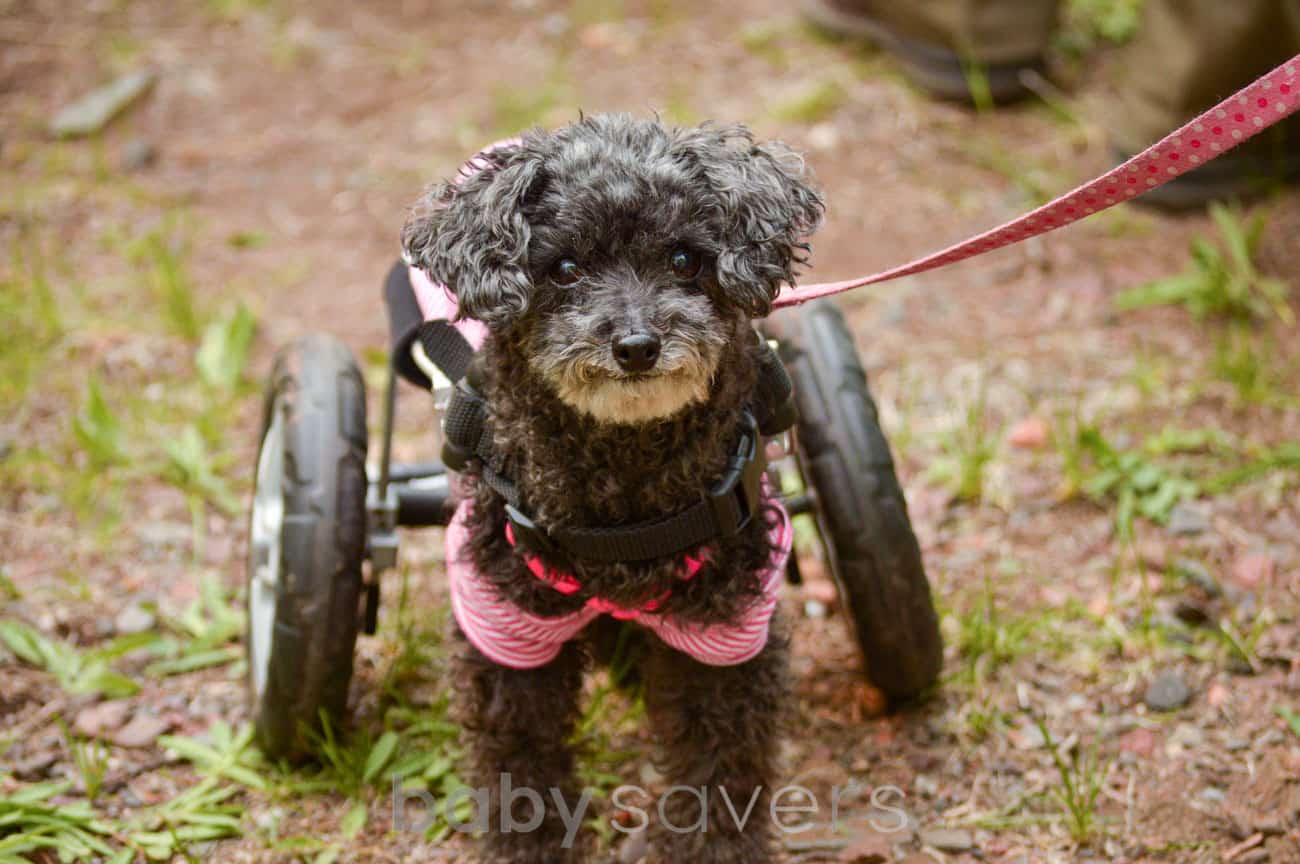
1209, 793
867, 846
139, 153
134, 619
104, 717
1269, 738
1030, 433
1027, 737
35, 767
948, 839
926, 786
1168, 691
142, 731
1187, 520
1253, 570
1140, 742
96, 109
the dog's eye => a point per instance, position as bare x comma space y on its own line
566, 271
685, 263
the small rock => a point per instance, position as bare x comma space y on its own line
925, 786
1167, 691
1253, 570
867, 846
951, 840
139, 153
649, 775
1139, 742
1188, 520
1268, 738
95, 720
1195, 573
142, 731
1030, 433
96, 109
1210, 793
1027, 737
35, 767
134, 619
1269, 824
1217, 696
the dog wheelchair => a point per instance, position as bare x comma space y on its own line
323, 526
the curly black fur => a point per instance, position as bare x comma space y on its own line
589, 444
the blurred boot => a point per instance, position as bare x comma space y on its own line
939, 41
1187, 56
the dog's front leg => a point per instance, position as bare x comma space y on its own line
518, 723
718, 733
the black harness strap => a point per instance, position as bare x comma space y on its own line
722, 511
446, 347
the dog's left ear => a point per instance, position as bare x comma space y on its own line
471, 234
767, 209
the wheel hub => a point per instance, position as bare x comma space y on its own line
264, 549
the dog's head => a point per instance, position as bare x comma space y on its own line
624, 254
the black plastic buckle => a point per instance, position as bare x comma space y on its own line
735, 498
527, 533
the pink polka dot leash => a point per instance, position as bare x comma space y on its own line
1267, 101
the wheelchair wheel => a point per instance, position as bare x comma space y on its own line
307, 537
860, 510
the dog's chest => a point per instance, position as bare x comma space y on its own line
616, 478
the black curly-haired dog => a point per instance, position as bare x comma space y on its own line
618, 265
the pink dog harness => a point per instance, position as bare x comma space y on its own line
512, 637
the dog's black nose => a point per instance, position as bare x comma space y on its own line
637, 352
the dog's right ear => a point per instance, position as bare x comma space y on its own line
471, 235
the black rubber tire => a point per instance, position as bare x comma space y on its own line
318, 386
861, 511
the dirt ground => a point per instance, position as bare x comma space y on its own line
270, 167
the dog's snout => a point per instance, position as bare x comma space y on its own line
637, 352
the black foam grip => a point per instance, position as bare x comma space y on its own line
404, 320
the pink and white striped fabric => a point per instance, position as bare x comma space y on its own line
512, 637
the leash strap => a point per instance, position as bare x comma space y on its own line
1266, 102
